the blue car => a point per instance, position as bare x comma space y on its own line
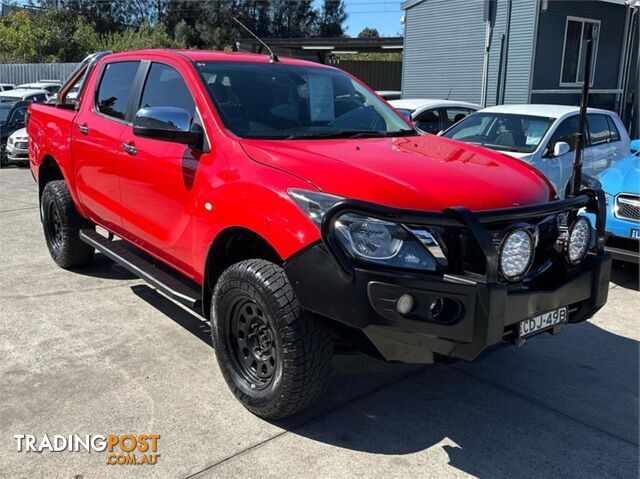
621, 183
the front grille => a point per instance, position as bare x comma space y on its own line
22, 145
628, 207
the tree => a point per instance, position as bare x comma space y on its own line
369, 32
332, 17
293, 18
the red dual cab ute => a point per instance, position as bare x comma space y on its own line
294, 206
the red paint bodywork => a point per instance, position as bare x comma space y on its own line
157, 198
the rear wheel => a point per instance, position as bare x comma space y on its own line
275, 359
62, 225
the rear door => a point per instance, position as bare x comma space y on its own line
103, 116
157, 177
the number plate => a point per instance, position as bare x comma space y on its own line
635, 233
534, 325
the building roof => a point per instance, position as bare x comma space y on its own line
549, 111
424, 103
412, 3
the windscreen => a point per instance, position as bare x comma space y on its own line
501, 131
277, 101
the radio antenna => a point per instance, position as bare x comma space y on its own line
272, 56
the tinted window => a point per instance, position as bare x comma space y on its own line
429, 121
5, 109
114, 91
280, 101
19, 116
598, 129
165, 87
566, 131
615, 134
454, 115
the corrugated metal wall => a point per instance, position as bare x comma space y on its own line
379, 75
32, 72
444, 50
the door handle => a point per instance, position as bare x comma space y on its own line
132, 150
84, 129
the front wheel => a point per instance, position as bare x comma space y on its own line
275, 359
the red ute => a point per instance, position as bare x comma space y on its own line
294, 205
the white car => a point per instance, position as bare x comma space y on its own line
7, 86
21, 94
544, 136
432, 115
18, 147
50, 87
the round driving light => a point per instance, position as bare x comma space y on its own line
405, 304
516, 254
578, 243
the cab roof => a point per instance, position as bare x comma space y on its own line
221, 56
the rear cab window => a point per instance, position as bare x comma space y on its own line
115, 89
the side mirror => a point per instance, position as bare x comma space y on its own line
561, 148
634, 146
167, 123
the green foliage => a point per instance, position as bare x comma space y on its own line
368, 32
78, 27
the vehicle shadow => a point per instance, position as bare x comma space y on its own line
625, 275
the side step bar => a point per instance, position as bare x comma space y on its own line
174, 288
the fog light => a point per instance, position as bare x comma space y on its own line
516, 254
578, 243
445, 310
405, 304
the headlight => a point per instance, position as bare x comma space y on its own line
10, 141
579, 239
516, 254
381, 242
370, 239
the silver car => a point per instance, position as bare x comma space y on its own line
544, 136
18, 147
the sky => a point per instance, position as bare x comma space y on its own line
383, 15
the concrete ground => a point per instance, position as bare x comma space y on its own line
97, 352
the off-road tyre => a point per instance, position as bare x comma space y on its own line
62, 225
254, 299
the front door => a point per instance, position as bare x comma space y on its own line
96, 142
157, 177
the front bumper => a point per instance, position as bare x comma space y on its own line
17, 154
362, 301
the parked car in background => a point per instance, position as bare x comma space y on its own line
20, 94
434, 116
50, 86
389, 94
17, 150
621, 184
6, 87
12, 118
544, 136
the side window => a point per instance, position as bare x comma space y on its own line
454, 115
613, 129
429, 121
566, 131
165, 87
598, 129
114, 91
18, 116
